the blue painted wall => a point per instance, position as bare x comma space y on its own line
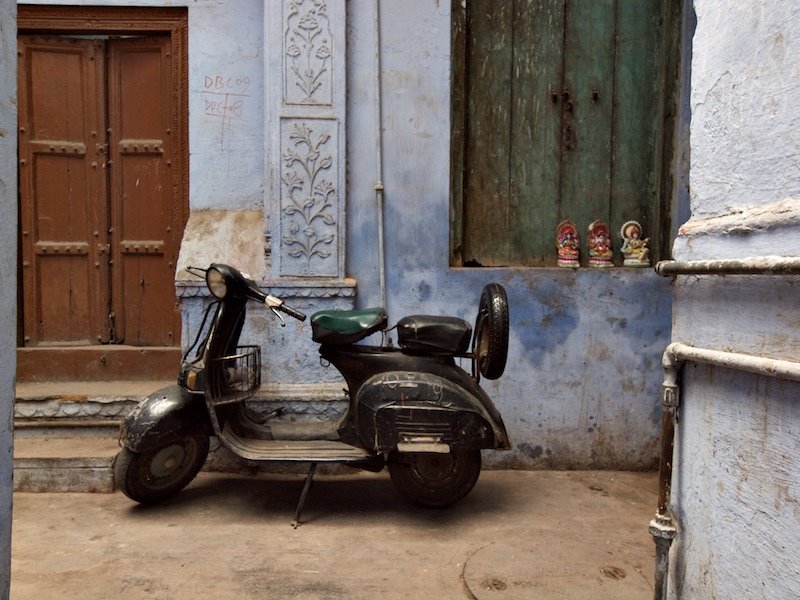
581, 388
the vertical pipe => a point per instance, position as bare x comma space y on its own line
662, 567
662, 527
379, 153
670, 398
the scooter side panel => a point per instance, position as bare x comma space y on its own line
360, 363
164, 416
403, 406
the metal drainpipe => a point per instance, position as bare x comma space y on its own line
662, 527
379, 154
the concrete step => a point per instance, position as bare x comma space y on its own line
78, 404
67, 464
66, 433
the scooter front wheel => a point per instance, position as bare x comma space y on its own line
159, 473
435, 480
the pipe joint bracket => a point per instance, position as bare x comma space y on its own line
670, 395
662, 528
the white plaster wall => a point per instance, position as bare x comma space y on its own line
745, 132
736, 482
746, 81
8, 275
738, 479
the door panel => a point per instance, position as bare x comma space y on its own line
588, 95
637, 173
63, 231
486, 181
145, 213
536, 127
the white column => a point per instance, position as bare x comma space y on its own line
305, 132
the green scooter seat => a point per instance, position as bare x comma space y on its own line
341, 327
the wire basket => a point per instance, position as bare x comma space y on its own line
236, 377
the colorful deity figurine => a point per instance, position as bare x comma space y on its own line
568, 245
634, 249
599, 242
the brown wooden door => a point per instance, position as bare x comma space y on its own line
99, 208
144, 206
63, 216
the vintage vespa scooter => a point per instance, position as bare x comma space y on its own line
410, 408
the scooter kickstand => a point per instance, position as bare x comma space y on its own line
303, 495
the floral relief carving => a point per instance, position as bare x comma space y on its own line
307, 47
308, 200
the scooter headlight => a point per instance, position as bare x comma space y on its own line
215, 281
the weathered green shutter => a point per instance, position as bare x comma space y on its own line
559, 113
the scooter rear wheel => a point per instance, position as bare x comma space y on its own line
435, 480
159, 473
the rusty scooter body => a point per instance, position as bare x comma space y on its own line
410, 407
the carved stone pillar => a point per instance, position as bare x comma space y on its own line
305, 108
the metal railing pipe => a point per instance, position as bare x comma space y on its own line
677, 353
762, 265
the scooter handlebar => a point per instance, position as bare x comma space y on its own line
276, 303
292, 312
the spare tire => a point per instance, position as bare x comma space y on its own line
490, 344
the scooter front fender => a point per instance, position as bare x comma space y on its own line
165, 416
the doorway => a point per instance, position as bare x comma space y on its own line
102, 171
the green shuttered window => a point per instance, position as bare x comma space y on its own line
561, 110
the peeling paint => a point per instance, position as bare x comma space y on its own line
235, 237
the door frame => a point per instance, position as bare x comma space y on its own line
82, 20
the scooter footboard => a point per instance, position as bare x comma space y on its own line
420, 412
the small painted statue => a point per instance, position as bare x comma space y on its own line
599, 240
634, 248
568, 245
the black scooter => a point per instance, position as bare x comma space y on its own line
411, 408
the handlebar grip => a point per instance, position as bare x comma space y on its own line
292, 312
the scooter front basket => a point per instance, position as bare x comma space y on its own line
236, 377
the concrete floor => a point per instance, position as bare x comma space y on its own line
519, 534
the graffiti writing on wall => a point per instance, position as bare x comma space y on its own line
224, 99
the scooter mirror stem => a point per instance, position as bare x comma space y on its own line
196, 271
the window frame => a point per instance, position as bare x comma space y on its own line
662, 235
